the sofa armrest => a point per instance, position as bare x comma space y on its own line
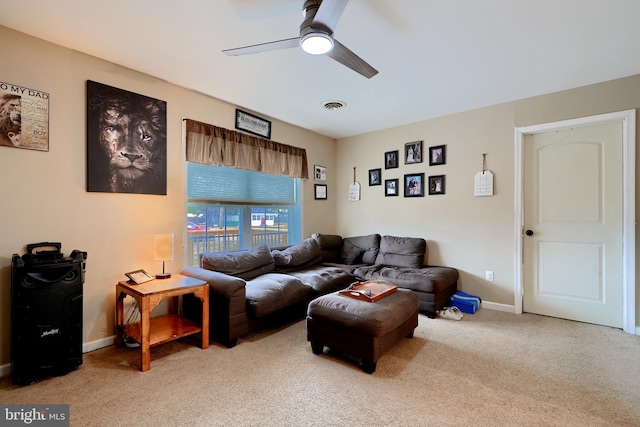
220, 283
228, 318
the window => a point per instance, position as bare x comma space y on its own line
230, 209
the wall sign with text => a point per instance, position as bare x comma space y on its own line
24, 117
253, 124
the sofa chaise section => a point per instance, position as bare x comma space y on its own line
398, 260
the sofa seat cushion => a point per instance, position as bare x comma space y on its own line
246, 264
324, 279
271, 292
426, 279
349, 268
402, 251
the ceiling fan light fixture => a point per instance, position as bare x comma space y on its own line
316, 43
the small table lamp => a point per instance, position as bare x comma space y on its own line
163, 251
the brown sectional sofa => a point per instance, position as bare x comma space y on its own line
261, 286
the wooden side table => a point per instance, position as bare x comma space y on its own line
152, 331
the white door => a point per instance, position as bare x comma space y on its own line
573, 223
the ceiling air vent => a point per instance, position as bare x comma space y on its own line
333, 105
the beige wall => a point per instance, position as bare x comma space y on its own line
44, 197
473, 234
43, 193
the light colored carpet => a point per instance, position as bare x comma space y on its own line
489, 369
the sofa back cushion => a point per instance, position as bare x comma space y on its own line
402, 251
351, 254
369, 244
246, 264
301, 255
330, 246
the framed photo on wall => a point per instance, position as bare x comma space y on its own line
320, 192
413, 152
391, 159
436, 184
319, 173
437, 155
375, 176
414, 185
391, 187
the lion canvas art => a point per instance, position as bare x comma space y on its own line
126, 141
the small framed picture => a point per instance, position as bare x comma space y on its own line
414, 185
138, 276
436, 184
391, 187
391, 159
375, 176
319, 173
413, 152
253, 124
321, 192
437, 155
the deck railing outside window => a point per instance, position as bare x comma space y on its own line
218, 240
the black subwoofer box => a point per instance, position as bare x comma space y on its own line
46, 313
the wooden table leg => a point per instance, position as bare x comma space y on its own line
174, 305
119, 316
205, 317
145, 345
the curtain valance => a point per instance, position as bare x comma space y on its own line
213, 145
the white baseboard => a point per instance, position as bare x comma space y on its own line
5, 370
98, 344
498, 307
511, 309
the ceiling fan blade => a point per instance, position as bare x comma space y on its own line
329, 13
264, 47
349, 59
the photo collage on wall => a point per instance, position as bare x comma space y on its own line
413, 184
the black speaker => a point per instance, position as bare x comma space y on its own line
46, 314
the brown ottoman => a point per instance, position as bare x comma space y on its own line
362, 329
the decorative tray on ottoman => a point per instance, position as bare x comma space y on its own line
370, 291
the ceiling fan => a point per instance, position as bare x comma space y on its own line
316, 37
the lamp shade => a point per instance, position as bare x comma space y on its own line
163, 247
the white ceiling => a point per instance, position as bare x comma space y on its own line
435, 57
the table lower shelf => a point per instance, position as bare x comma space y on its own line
163, 329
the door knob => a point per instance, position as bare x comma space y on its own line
529, 232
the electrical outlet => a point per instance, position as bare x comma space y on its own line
488, 275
